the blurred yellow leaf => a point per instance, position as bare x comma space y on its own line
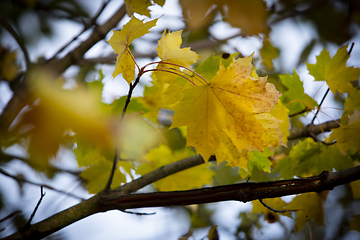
355, 223
59, 110
355, 187
138, 135
309, 206
97, 175
195, 177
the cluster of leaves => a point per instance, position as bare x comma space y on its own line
237, 116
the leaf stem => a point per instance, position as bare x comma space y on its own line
164, 70
174, 64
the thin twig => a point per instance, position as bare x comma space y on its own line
327, 91
113, 169
18, 39
284, 211
138, 213
275, 210
131, 89
10, 216
87, 26
117, 152
36, 208
318, 109
38, 184
306, 109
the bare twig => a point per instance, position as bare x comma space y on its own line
9, 216
91, 23
18, 39
42, 194
18, 179
318, 109
116, 154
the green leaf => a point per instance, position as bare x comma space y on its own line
294, 98
310, 158
260, 160
268, 52
183, 180
334, 70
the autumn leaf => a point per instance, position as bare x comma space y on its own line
120, 41
195, 177
169, 51
334, 70
233, 103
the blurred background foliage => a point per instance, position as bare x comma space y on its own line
332, 23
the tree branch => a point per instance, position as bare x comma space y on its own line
306, 131
243, 192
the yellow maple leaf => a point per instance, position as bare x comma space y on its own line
120, 41
169, 51
233, 103
183, 180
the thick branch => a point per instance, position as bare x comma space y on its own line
243, 192
59, 220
